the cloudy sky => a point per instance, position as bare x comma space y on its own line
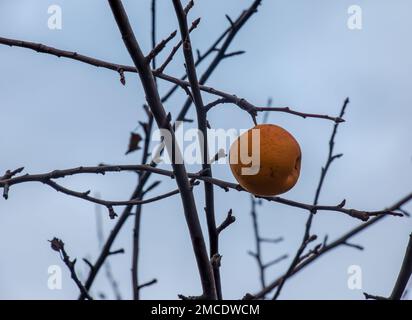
58, 113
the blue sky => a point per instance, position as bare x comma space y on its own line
58, 113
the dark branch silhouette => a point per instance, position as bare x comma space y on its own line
156, 107
403, 276
308, 237
46, 178
193, 83
58, 245
326, 247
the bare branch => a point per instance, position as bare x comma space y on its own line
147, 284
216, 102
155, 104
240, 102
307, 236
253, 110
274, 240
156, 50
234, 53
11, 173
118, 251
326, 248
275, 261
361, 215
108, 268
230, 20
175, 49
227, 222
202, 126
258, 244
372, 297
47, 178
404, 273
355, 246
188, 7
58, 245
135, 254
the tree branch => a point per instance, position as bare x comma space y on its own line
155, 104
404, 273
328, 247
108, 268
307, 234
145, 175
175, 49
230, 218
58, 245
403, 276
159, 47
232, 98
147, 284
56, 174
202, 127
147, 130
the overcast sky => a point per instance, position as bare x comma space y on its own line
57, 113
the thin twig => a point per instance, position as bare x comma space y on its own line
273, 240
108, 268
148, 126
228, 35
242, 103
230, 218
330, 246
258, 252
372, 297
307, 233
275, 261
147, 284
135, 253
175, 49
159, 47
58, 245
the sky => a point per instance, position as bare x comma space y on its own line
58, 113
